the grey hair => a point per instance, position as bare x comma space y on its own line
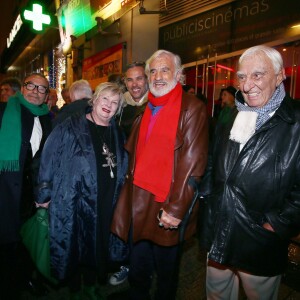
158, 53
105, 87
80, 89
271, 53
13, 82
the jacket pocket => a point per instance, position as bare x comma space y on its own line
256, 249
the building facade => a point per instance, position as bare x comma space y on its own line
210, 36
92, 39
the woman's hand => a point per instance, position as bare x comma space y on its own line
43, 205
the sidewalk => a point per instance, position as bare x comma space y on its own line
192, 280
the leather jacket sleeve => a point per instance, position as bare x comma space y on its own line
190, 158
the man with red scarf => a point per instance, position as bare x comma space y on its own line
167, 146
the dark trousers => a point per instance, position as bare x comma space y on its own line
147, 257
87, 275
15, 270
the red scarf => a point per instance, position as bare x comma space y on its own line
155, 156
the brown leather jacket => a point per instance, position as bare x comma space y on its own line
136, 207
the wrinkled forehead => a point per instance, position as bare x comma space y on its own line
258, 58
38, 80
256, 62
163, 60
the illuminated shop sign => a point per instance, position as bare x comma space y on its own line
36, 16
229, 28
76, 17
17, 25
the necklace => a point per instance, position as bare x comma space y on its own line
109, 156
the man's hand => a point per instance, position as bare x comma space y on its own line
268, 227
167, 221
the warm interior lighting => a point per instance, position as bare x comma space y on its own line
296, 26
225, 68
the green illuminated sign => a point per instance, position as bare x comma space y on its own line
37, 17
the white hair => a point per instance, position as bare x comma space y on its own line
80, 89
158, 53
271, 53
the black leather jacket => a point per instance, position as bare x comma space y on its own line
245, 189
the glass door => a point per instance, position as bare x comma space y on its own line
209, 78
291, 60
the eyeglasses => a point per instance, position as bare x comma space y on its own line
254, 76
40, 88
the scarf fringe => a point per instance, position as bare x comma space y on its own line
11, 130
9, 166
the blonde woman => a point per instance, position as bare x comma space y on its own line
82, 169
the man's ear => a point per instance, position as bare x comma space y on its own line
280, 77
178, 76
47, 98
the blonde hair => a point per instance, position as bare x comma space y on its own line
111, 87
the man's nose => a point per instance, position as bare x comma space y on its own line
158, 75
35, 90
248, 84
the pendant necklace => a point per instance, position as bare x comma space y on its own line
109, 156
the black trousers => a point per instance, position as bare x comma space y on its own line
16, 268
83, 274
147, 257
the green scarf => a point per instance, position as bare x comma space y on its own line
11, 128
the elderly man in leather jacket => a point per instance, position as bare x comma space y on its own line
253, 184
167, 146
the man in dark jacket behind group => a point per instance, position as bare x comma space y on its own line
136, 96
80, 93
253, 179
167, 146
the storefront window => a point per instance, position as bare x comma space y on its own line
209, 77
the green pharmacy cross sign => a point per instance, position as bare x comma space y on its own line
37, 17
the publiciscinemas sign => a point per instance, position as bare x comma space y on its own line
230, 27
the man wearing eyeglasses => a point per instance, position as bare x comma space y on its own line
136, 96
24, 127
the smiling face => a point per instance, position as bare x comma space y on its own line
136, 82
257, 79
105, 107
34, 96
163, 75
